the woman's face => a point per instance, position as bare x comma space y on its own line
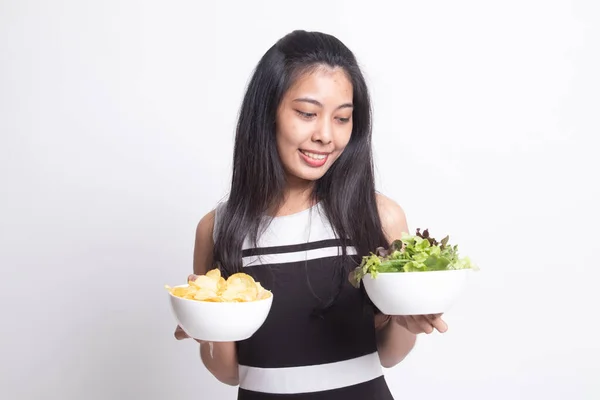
314, 123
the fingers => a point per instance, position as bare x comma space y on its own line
437, 322
192, 277
414, 324
423, 323
180, 333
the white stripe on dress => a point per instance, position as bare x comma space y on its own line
304, 227
304, 255
312, 378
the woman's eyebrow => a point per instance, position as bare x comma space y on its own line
318, 104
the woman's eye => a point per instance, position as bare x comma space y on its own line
344, 120
305, 115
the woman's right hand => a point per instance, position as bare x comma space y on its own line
180, 335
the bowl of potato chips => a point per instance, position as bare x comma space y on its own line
215, 309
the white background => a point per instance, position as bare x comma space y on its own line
116, 122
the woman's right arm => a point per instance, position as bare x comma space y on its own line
220, 358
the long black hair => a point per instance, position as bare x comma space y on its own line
346, 191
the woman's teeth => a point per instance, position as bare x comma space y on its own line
314, 156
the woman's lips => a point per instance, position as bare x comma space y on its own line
313, 158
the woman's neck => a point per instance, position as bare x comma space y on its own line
298, 196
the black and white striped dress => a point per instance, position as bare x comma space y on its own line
297, 353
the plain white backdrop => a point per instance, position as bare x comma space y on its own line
117, 122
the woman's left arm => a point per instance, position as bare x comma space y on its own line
396, 335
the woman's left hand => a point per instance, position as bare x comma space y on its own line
421, 323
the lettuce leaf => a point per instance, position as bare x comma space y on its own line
412, 253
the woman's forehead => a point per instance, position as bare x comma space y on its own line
323, 84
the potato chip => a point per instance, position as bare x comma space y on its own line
212, 287
240, 287
214, 274
262, 292
203, 282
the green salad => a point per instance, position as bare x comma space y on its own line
412, 253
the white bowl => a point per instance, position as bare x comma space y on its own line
220, 322
415, 293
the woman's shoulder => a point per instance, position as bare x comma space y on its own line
205, 238
393, 217
207, 226
389, 209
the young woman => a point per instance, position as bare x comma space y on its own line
301, 212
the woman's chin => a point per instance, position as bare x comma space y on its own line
308, 175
